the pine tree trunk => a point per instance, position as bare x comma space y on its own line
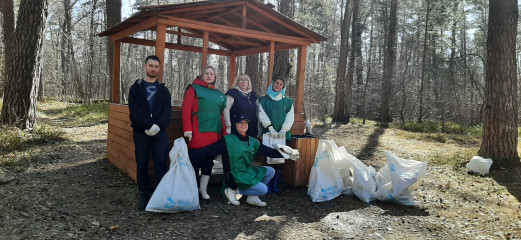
23, 75
281, 64
500, 113
352, 60
338, 112
424, 64
389, 64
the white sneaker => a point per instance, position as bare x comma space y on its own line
254, 200
230, 195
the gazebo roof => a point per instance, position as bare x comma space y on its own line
241, 27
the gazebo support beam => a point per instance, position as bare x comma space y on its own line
233, 69
160, 48
271, 61
116, 71
204, 57
301, 75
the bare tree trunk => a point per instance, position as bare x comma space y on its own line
389, 64
113, 11
338, 112
23, 75
500, 117
8, 35
422, 79
352, 60
281, 63
252, 69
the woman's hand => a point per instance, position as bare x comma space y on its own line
188, 135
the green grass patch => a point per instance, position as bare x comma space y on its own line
70, 114
12, 138
456, 159
438, 127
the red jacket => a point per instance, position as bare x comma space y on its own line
190, 122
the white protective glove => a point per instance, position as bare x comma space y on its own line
228, 130
272, 130
287, 152
154, 130
148, 133
188, 134
282, 134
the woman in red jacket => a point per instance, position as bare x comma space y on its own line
203, 120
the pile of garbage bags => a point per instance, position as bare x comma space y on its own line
337, 172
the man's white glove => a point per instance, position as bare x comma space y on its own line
272, 130
228, 130
282, 134
188, 135
148, 133
287, 152
153, 130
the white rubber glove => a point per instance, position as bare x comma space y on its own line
272, 130
188, 134
148, 133
154, 130
229, 130
282, 134
292, 154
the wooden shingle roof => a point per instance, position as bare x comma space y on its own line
243, 27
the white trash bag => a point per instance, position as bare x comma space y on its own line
177, 191
398, 179
344, 163
325, 182
272, 140
479, 164
364, 183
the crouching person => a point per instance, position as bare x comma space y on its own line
238, 151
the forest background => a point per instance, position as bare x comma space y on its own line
384, 60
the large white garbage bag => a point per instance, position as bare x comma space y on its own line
177, 191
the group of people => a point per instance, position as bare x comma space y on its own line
226, 126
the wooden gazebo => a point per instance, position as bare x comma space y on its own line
240, 28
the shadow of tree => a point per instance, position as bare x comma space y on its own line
509, 178
369, 148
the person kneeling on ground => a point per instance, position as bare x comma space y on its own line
238, 151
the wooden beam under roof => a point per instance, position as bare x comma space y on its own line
198, 8
232, 23
279, 21
168, 45
263, 49
184, 23
252, 21
225, 13
151, 22
200, 12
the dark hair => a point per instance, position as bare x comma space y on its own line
153, 57
281, 78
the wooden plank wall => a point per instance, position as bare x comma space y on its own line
296, 173
120, 143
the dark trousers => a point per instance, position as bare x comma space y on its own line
205, 164
143, 145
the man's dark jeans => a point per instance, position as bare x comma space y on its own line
159, 145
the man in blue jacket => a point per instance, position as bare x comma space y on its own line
149, 103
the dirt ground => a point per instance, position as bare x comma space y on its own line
73, 192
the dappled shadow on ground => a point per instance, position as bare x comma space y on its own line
511, 179
369, 148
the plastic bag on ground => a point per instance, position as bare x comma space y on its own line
364, 183
344, 162
325, 182
177, 191
398, 179
479, 164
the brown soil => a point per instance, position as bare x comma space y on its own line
73, 192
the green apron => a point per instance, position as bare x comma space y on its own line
276, 111
241, 157
211, 103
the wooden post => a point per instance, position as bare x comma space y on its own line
115, 72
233, 69
160, 48
243, 16
301, 74
204, 57
179, 35
270, 62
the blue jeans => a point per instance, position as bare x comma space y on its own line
159, 145
260, 188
